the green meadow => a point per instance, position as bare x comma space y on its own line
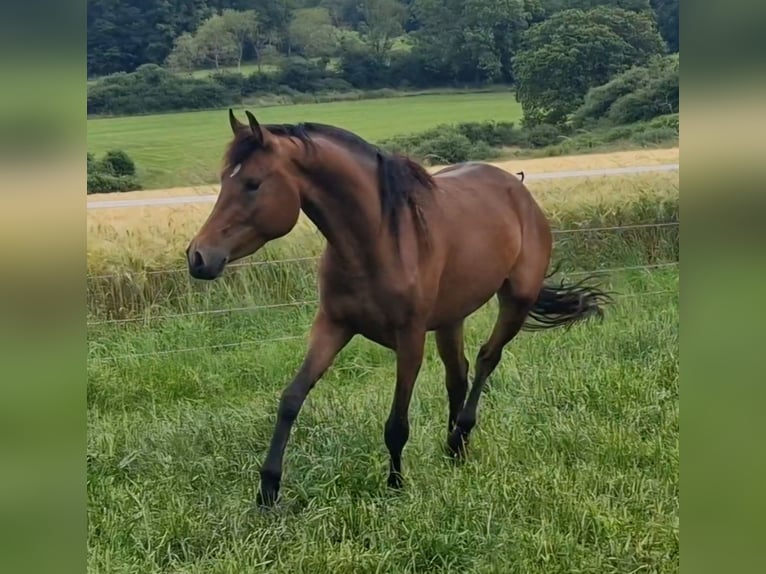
185, 149
573, 466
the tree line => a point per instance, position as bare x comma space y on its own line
552, 51
454, 40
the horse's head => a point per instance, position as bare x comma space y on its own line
259, 200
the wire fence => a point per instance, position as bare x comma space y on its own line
286, 261
256, 308
222, 346
316, 257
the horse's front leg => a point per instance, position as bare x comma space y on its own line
326, 340
409, 357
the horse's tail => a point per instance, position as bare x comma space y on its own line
566, 304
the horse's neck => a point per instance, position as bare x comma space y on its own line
342, 201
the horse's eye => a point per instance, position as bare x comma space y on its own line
251, 185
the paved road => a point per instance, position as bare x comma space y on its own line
180, 200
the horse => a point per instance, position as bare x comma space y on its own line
407, 253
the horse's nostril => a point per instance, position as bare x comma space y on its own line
197, 261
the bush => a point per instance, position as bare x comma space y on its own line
100, 182
258, 82
654, 136
542, 135
482, 151
495, 134
639, 94
152, 89
301, 75
118, 162
363, 69
114, 173
447, 147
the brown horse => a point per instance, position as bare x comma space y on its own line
406, 253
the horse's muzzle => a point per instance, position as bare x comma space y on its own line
205, 264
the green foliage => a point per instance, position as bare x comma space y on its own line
469, 41
118, 162
303, 75
542, 135
655, 136
640, 93
563, 57
445, 147
152, 89
116, 171
455, 143
312, 32
660, 131
124, 34
666, 13
382, 22
363, 67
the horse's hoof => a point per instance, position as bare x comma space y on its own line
457, 444
395, 481
268, 495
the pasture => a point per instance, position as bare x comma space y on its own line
184, 149
573, 466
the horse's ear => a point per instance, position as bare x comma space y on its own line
236, 125
255, 127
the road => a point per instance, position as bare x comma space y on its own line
143, 202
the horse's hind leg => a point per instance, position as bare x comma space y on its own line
515, 302
449, 342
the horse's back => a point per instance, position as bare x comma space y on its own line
485, 191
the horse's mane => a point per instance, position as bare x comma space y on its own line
400, 179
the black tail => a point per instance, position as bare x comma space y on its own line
564, 305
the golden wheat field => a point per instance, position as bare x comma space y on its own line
156, 236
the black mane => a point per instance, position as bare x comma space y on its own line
400, 179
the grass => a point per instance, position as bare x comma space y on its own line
186, 148
573, 465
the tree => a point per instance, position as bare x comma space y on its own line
666, 12
215, 43
561, 58
640, 93
124, 34
185, 55
553, 6
243, 27
383, 21
312, 32
472, 40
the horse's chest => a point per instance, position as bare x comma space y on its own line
374, 311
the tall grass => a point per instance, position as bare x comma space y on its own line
137, 282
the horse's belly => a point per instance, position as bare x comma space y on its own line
460, 294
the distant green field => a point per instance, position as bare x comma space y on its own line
185, 149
